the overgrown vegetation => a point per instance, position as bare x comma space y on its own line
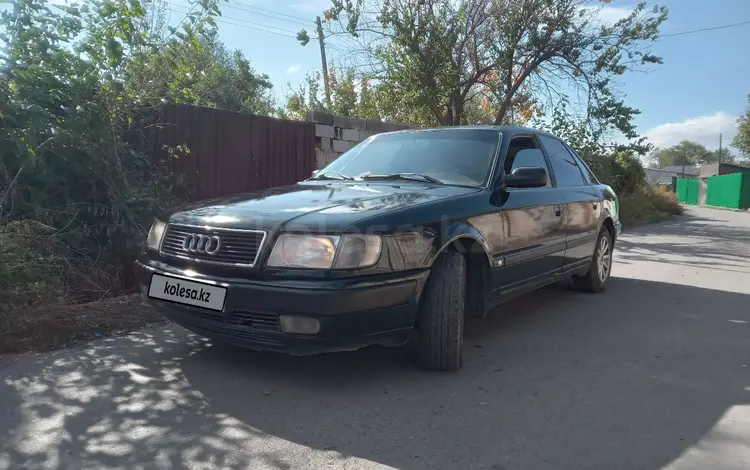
648, 204
79, 85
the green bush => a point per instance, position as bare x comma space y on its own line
30, 272
627, 173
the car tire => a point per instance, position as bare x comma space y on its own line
440, 334
595, 280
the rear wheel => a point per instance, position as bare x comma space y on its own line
595, 280
441, 314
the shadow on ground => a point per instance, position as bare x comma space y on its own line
692, 240
557, 379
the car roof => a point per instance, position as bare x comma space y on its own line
505, 130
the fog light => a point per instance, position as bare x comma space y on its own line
299, 325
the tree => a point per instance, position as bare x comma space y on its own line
72, 164
201, 72
742, 140
344, 98
724, 155
367, 101
690, 154
305, 99
443, 54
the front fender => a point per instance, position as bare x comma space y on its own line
464, 238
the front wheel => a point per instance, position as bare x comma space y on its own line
441, 314
595, 280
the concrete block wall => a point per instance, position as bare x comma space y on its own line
335, 135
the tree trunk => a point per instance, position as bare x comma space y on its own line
459, 118
503, 110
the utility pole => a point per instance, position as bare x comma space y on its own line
720, 149
323, 60
684, 160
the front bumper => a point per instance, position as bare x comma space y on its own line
353, 313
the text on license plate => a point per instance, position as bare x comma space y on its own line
187, 292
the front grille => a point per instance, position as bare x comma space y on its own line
245, 325
255, 321
237, 247
241, 335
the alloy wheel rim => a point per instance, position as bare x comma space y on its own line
604, 263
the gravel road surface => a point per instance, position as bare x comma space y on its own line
653, 374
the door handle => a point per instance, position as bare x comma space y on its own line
558, 211
595, 205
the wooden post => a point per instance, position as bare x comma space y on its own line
323, 60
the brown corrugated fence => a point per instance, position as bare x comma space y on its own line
232, 153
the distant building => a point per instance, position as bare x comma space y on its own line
716, 169
667, 175
660, 177
680, 171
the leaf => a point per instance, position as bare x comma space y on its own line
114, 52
107, 10
303, 37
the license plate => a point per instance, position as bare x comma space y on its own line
185, 292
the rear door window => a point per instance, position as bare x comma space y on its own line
588, 175
567, 172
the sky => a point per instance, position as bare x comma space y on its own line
697, 93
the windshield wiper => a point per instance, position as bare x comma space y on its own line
403, 176
332, 175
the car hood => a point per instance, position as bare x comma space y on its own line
316, 206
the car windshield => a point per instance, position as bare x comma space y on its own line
458, 157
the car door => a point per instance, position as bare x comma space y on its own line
533, 244
583, 202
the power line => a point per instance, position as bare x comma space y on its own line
285, 33
272, 15
259, 30
308, 23
248, 22
272, 12
714, 28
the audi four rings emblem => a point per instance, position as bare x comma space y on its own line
199, 243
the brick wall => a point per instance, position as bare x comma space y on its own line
335, 135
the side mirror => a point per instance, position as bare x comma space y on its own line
527, 177
314, 173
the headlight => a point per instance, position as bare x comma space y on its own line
153, 240
325, 252
358, 251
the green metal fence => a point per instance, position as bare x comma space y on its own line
732, 190
687, 190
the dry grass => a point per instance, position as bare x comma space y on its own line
647, 205
56, 326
